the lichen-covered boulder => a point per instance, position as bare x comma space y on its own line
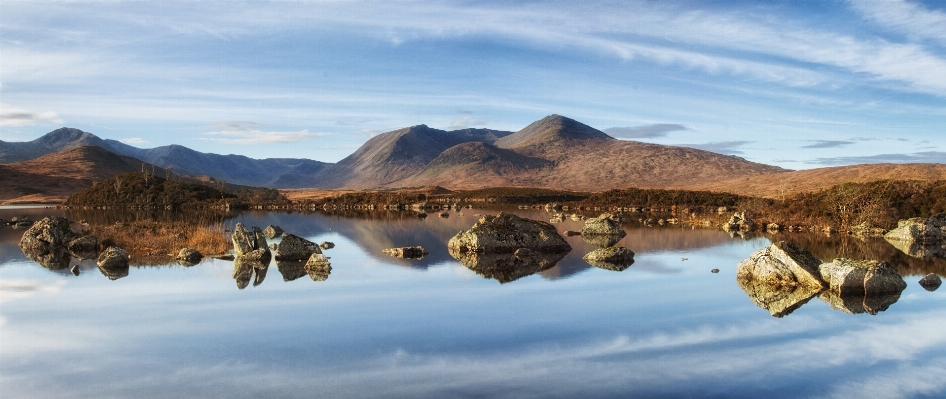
262, 255
246, 241
782, 265
272, 231
919, 237
318, 267
507, 267
931, 282
48, 235
415, 252
189, 254
293, 247
861, 277
505, 233
610, 258
604, 224
113, 257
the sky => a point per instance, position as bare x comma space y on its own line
794, 84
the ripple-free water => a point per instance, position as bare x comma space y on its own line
386, 327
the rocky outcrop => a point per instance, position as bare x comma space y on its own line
416, 252
931, 282
603, 225
505, 233
318, 267
861, 277
297, 248
782, 266
52, 234
610, 258
272, 232
919, 237
739, 221
506, 267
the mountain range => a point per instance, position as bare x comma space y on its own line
553, 152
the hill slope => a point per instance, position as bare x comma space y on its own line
54, 141
811, 180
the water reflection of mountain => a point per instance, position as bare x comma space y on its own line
844, 246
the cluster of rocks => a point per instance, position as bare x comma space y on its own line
415, 252
782, 277
739, 221
295, 256
920, 237
604, 232
51, 243
17, 222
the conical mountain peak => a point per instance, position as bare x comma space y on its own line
550, 130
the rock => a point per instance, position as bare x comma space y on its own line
273, 246
919, 237
189, 254
773, 227
416, 252
21, 221
782, 266
611, 258
84, 247
48, 235
779, 301
866, 277
864, 230
554, 206
859, 303
318, 267
272, 232
739, 221
521, 252
506, 267
296, 248
505, 233
327, 245
444, 214
602, 225
291, 269
262, 255
225, 257
55, 260
714, 271
931, 282
74, 270
244, 269
245, 241
113, 257
570, 233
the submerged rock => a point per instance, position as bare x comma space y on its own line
604, 224
506, 233
506, 267
296, 248
272, 232
318, 267
782, 265
415, 252
865, 277
611, 258
931, 282
48, 235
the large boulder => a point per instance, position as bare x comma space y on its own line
252, 241
293, 247
610, 258
272, 232
919, 237
782, 266
86, 247
861, 277
48, 235
416, 252
318, 267
506, 267
189, 256
602, 225
505, 233
113, 257
931, 282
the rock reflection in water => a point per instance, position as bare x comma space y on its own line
619, 266
114, 272
291, 270
506, 267
855, 304
602, 241
779, 302
244, 270
920, 250
55, 260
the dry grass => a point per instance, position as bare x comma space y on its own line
160, 240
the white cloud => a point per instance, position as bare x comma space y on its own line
465, 122
12, 289
906, 17
134, 141
13, 116
645, 131
246, 132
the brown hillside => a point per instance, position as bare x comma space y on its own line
811, 180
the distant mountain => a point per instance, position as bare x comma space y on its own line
53, 177
54, 141
235, 169
394, 156
811, 180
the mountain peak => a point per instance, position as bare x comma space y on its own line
552, 129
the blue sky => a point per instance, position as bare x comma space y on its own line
795, 84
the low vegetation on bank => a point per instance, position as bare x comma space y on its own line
149, 241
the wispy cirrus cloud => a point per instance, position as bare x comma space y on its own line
246, 132
917, 157
910, 18
644, 131
828, 144
134, 141
720, 147
14, 116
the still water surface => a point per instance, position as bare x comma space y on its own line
386, 327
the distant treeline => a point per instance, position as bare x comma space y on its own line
521, 195
639, 197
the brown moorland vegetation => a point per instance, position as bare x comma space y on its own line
153, 242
